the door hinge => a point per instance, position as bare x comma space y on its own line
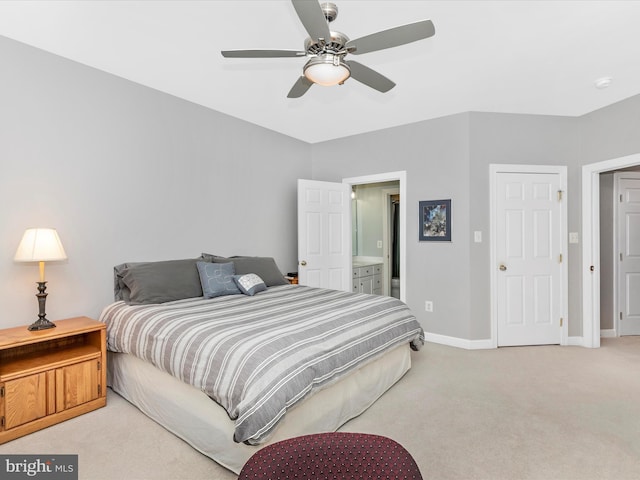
98, 364
559, 195
620, 315
620, 256
620, 198
560, 259
561, 320
2, 392
99, 390
2, 422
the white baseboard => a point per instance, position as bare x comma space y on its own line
575, 341
488, 344
458, 342
608, 333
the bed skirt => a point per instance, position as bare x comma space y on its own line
191, 415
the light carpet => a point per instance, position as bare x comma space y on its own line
546, 412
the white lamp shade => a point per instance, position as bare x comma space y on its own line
40, 245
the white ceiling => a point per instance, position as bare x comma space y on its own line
536, 57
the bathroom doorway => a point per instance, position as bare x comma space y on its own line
393, 205
378, 227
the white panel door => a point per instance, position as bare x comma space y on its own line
628, 216
528, 243
324, 235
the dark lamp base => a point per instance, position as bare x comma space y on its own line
41, 324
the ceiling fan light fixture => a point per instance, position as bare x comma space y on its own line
327, 70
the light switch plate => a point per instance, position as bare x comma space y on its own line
477, 236
573, 237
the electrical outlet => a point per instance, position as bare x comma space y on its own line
428, 306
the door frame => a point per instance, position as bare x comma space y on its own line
387, 230
401, 177
591, 244
494, 170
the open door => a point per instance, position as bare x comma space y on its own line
324, 234
628, 246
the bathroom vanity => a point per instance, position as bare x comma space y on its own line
367, 278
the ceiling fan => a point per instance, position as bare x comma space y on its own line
327, 49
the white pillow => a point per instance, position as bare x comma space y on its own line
249, 284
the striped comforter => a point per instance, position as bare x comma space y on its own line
257, 356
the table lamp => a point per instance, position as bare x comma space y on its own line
40, 245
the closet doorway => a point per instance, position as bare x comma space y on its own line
591, 244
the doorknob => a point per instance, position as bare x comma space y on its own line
502, 267
303, 263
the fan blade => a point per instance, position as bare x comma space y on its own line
300, 87
261, 53
312, 18
393, 37
369, 77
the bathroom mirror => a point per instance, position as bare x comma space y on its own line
367, 205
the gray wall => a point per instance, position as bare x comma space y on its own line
450, 158
435, 155
526, 140
611, 132
127, 173
608, 133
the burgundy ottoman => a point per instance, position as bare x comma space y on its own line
337, 455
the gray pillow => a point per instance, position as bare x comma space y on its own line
217, 279
264, 267
249, 284
120, 290
157, 282
208, 257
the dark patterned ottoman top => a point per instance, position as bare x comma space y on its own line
339, 455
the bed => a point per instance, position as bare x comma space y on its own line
232, 372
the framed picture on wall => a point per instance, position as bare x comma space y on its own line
435, 221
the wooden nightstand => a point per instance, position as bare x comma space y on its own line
49, 376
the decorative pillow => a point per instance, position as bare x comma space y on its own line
249, 284
156, 282
264, 267
217, 279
